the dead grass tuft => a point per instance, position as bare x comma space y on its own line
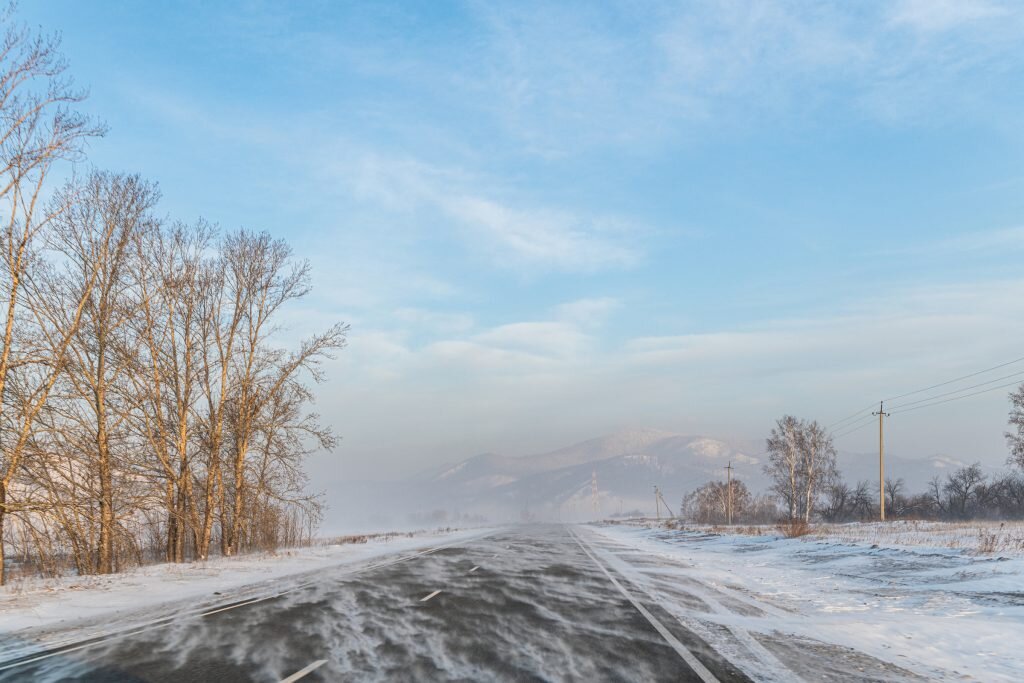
794, 528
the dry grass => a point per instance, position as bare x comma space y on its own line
977, 537
794, 528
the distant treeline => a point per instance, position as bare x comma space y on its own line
807, 485
147, 408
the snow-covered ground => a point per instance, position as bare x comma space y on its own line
939, 611
978, 537
34, 612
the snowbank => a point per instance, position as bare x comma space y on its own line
938, 611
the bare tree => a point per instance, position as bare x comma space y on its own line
801, 463
783, 466
97, 234
709, 503
962, 488
818, 465
893, 494
265, 268
39, 126
1015, 438
166, 382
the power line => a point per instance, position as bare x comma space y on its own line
856, 424
957, 398
847, 418
859, 427
957, 391
942, 384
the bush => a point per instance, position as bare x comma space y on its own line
794, 528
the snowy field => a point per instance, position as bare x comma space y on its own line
978, 537
933, 599
34, 611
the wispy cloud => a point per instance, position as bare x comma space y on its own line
942, 15
513, 234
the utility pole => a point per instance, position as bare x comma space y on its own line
728, 507
881, 459
659, 500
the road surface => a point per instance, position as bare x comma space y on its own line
532, 603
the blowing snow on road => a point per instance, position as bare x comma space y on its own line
542, 602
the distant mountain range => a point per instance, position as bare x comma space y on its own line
626, 466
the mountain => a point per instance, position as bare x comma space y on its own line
627, 466
558, 484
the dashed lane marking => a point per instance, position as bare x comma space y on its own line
429, 596
303, 672
473, 569
83, 643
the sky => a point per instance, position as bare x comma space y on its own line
547, 222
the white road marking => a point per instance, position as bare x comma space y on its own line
680, 649
302, 672
767, 664
473, 569
429, 596
59, 649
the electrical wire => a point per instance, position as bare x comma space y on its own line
848, 418
855, 429
856, 426
957, 398
957, 391
958, 379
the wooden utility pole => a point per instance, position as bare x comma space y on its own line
728, 506
657, 502
881, 459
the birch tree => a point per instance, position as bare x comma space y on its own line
801, 464
1015, 438
817, 465
783, 449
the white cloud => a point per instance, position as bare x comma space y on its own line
942, 15
512, 379
439, 322
588, 312
549, 339
512, 235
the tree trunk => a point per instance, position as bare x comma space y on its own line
3, 515
171, 526
106, 550
238, 513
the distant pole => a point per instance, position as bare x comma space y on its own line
657, 502
593, 491
728, 508
881, 459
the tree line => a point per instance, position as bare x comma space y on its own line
150, 408
806, 484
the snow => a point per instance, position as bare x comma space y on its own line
941, 612
35, 611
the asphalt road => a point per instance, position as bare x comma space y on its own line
539, 603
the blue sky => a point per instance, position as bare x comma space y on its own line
550, 221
